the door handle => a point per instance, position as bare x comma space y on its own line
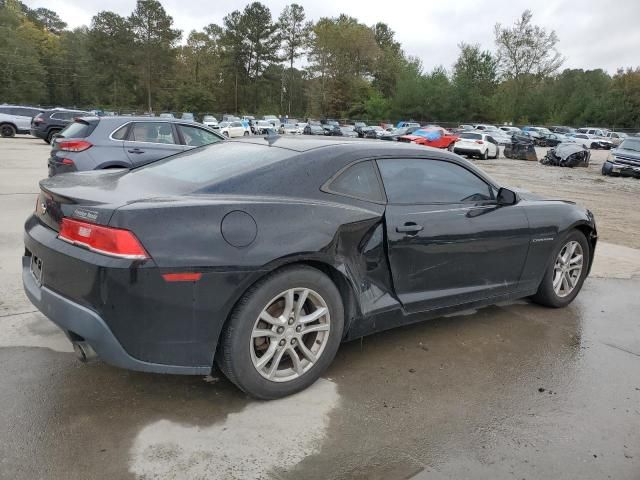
410, 228
135, 150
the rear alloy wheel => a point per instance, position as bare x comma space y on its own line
564, 277
51, 135
283, 334
7, 130
485, 155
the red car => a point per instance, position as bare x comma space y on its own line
431, 137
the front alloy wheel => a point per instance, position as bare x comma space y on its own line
290, 334
566, 272
567, 269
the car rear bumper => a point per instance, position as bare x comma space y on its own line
38, 133
467, 151
82, 325
126, 311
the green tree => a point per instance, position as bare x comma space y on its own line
21, 79
294, 33
262, 41
474, 81
342, 55
389, 62
526, 53
110, 45
155, 38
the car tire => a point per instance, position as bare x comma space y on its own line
485, 155
50, 135
238, 348
7, 130
226, 134
547, 293
246, 134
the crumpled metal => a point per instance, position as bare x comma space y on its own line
567, 155
521, 148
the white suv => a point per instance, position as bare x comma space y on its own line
476, 144
15, 119
273, 120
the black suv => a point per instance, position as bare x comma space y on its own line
49, 123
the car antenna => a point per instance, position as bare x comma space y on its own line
271, 138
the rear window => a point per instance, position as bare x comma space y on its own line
213, 164
77, 130
471, 136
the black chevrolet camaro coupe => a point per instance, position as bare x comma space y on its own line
261, 256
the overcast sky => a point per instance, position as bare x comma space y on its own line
593, 34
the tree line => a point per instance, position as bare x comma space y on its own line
256, 63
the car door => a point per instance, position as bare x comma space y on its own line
493, 146
22, 117
449, 242
236, 130
148, 141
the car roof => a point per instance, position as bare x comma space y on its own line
374, 147
124, 119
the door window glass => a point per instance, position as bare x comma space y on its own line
153, 132
415, 181
196, 137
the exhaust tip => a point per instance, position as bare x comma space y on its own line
84, 352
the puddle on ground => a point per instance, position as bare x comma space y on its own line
273, 435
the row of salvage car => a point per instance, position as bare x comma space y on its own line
569, 147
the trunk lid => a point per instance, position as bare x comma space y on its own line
93, 196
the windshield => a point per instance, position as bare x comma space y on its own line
631, 144
77, 129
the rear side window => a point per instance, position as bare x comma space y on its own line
196, 137
76, 130
66, 115
152, 132
121, 133
414, 181
4, 110
358, 181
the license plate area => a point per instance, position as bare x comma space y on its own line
36, 268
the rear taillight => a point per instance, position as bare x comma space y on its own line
73, 145
38, 119
115, 242
479, 141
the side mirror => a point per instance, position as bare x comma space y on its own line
507, 197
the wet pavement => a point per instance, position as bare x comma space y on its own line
510, 391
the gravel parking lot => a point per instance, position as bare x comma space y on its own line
510, 391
